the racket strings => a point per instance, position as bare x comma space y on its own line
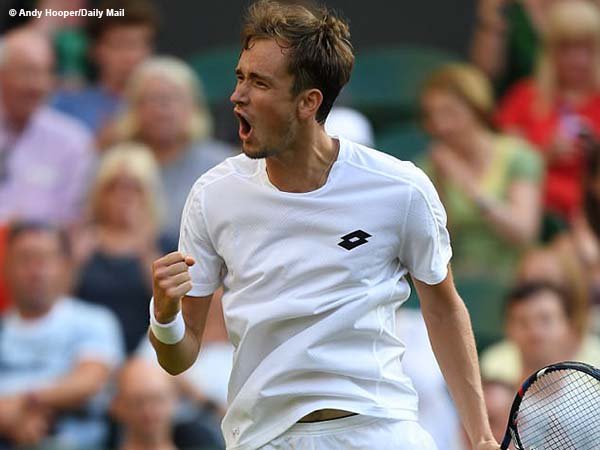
562, 420
561, 410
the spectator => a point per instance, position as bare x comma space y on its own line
572, 259
116, 251
145, 406
562, 101
557, 264
45, 156
351, 124
70, 43
118, 45
540, 331
166, 111
488, 181
56, 352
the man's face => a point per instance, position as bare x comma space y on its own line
146, 404
35, 270
447, 117
540, 328
121, 49
164, 110
575, 61
26, 78
263, 100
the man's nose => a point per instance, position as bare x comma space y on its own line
239, 95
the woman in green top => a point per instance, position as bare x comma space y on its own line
489, 182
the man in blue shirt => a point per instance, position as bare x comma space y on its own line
56, 352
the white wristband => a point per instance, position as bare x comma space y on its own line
167, 333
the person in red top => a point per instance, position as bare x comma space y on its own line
553, 109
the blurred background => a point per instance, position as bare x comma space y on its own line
106, 123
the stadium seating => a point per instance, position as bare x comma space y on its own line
406, 141
386, 81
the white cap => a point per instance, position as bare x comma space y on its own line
350, 124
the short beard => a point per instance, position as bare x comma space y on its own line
262, 153
274, 150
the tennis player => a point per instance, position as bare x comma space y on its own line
312, 238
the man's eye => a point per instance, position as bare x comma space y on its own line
260, 84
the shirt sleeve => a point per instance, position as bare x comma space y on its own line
195, 241
100, 339
425, 249
526, 165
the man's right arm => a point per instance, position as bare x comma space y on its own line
171, 283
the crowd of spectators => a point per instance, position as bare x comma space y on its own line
102, 139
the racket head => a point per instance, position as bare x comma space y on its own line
548, 381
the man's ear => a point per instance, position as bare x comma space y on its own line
309, 103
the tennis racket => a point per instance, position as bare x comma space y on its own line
557, 408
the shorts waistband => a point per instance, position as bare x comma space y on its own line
333, 425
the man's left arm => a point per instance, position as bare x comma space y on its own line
453, 343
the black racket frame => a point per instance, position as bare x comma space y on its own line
512, 432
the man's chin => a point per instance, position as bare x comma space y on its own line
254, 152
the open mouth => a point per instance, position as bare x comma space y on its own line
245, 129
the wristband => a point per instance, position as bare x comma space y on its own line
167, 333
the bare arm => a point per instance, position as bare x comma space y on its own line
179, 357
517, 220
453, 343
76, 388
171, 282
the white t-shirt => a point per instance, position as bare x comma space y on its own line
311, 285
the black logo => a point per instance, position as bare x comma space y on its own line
354, 239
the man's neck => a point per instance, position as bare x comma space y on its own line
13, 123
35, 314
305, 165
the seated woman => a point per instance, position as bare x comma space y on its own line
166, 110
116, 250
488, 181
561, 102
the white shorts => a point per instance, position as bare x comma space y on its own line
354, 433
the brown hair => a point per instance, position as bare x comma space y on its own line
468, 84
527, 290
137, 13
320, 54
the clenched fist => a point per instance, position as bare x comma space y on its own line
170, 282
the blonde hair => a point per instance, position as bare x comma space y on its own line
139, 163
467, 83
179, 73
572, 20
